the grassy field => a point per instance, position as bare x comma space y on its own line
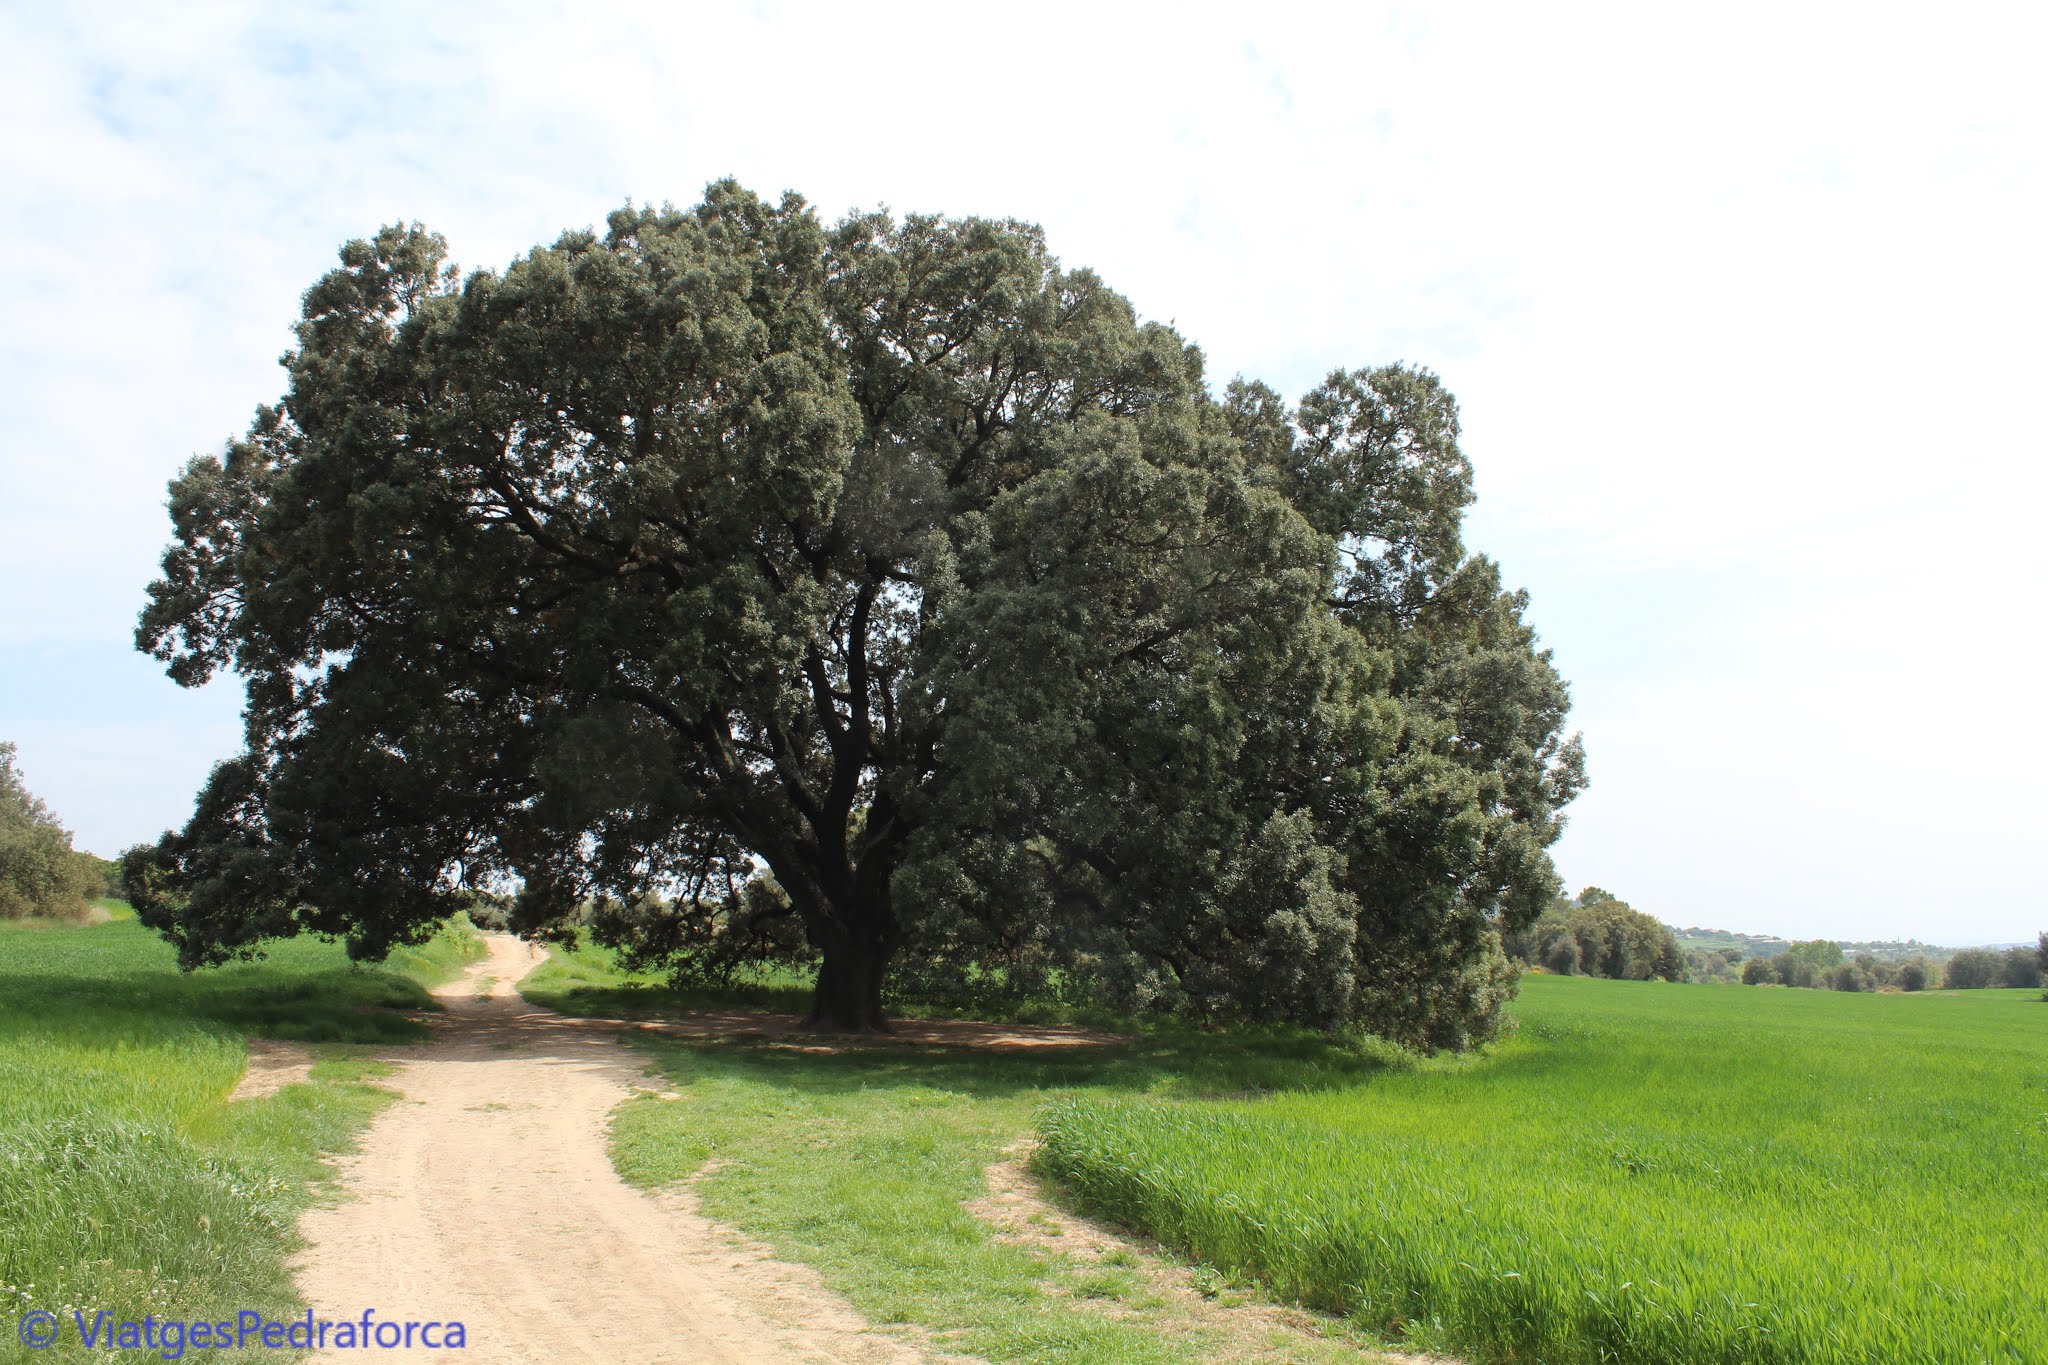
860, 1161
1647, 1173
1643, 1173
127, 1182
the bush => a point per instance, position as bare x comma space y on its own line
1974, 969
2022, 968
1850, 976
1786, 969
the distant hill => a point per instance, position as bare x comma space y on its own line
1767, 945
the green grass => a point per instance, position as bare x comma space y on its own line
127, 1182
1647, 1173
859, 1162
116, 910
588, 981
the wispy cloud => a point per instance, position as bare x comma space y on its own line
1741, 303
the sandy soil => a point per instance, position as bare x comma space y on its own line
487, 1197
273, 1065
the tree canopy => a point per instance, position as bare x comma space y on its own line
40, 873
885, 595
1974, 969
1599, 934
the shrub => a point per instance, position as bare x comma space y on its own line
1974, 969
1850, 976
2022, 968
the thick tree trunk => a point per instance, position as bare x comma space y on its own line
848, 996
851, 920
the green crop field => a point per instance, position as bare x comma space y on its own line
1646, 1173
126, 1179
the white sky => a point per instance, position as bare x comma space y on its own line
1743, 305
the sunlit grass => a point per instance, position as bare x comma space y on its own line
1644, 1172
1648, 1173
127, 1182
861, 1162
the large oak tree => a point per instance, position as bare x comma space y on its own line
883, 594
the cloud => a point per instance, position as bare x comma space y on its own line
1741, 304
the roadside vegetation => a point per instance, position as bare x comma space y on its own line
127, 1180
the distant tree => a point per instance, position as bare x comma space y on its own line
1794, 970
102, 876
1914, 974
1600, 934
2041, 954
1786, 969
2022, 968
1974, 969
40, 874
1712, 964
1822, 953
1560, 953
1850, 976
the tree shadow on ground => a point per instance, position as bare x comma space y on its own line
1164, 1059
123, 980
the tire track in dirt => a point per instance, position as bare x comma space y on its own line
487, 1196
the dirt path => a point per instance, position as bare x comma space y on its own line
487, 1197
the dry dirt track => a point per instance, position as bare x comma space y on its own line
486, 1196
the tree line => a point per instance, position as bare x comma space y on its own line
41, 874
1820, 964
1598, 934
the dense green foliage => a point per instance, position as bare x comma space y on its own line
1598, 934
1821, 964
40, 874
102, 876
2020, 968
126, 1181
1973, 969
1641, 1175
894, 557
